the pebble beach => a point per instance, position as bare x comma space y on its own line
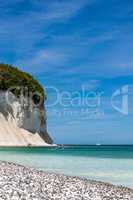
24, 183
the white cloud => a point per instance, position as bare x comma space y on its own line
91, 84
22, 31
60, 10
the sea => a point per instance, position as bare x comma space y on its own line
111, 164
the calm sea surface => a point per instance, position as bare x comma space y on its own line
112, 164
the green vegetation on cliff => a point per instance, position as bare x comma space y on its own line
12, 77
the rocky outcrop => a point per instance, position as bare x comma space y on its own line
22, 123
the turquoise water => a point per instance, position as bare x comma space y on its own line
112, 164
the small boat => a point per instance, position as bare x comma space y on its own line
98, 144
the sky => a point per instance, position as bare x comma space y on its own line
81, 51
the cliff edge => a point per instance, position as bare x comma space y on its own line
22, 111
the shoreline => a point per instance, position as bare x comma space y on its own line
20, 182
28, 146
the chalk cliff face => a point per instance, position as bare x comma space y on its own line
21, 122
22, 112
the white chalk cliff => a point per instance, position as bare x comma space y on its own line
21, 122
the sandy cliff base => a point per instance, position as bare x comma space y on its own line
11, 135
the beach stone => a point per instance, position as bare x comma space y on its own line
24, 183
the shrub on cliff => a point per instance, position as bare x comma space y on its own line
12, 77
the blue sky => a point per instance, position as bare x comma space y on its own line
74, 46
